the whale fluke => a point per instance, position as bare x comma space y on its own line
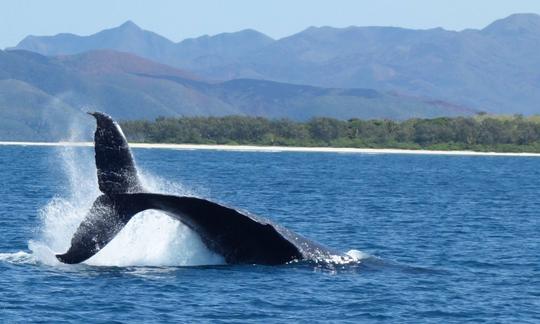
238, 236
115, 165
104, 220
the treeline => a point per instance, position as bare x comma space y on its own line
480, 133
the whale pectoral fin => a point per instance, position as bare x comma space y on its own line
104, 220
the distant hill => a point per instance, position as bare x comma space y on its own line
41, 96
204, 51
495, 69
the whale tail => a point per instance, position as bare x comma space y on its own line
116, 170
104, 220
237, 236
116, 174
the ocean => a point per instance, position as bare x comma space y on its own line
435, 239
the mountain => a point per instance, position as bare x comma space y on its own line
514, 25
494, 69
208, 52
202, 51
41, 96
127, 37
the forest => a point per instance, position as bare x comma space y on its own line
479, 133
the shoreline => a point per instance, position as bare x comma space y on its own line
254, 148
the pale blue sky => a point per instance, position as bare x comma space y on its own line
178, 19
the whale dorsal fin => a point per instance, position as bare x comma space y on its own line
115, 165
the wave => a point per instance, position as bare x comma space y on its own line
20, 257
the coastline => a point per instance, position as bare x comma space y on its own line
254, 148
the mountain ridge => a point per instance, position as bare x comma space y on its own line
490, 69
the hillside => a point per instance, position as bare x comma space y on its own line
42, 95
494, 69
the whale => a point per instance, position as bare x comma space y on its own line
238, 236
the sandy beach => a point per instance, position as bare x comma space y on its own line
254, 148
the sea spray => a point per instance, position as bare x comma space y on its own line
61, 216
151, 238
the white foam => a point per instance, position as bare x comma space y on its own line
17, 257
149, 239
351, 257
357, 255
42, 253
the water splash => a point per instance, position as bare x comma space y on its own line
357, 255
151, 238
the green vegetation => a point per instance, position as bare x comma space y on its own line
480, 133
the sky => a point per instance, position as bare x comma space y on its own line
180, 19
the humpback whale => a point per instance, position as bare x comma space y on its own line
240, 237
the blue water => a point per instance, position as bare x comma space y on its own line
443, 239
